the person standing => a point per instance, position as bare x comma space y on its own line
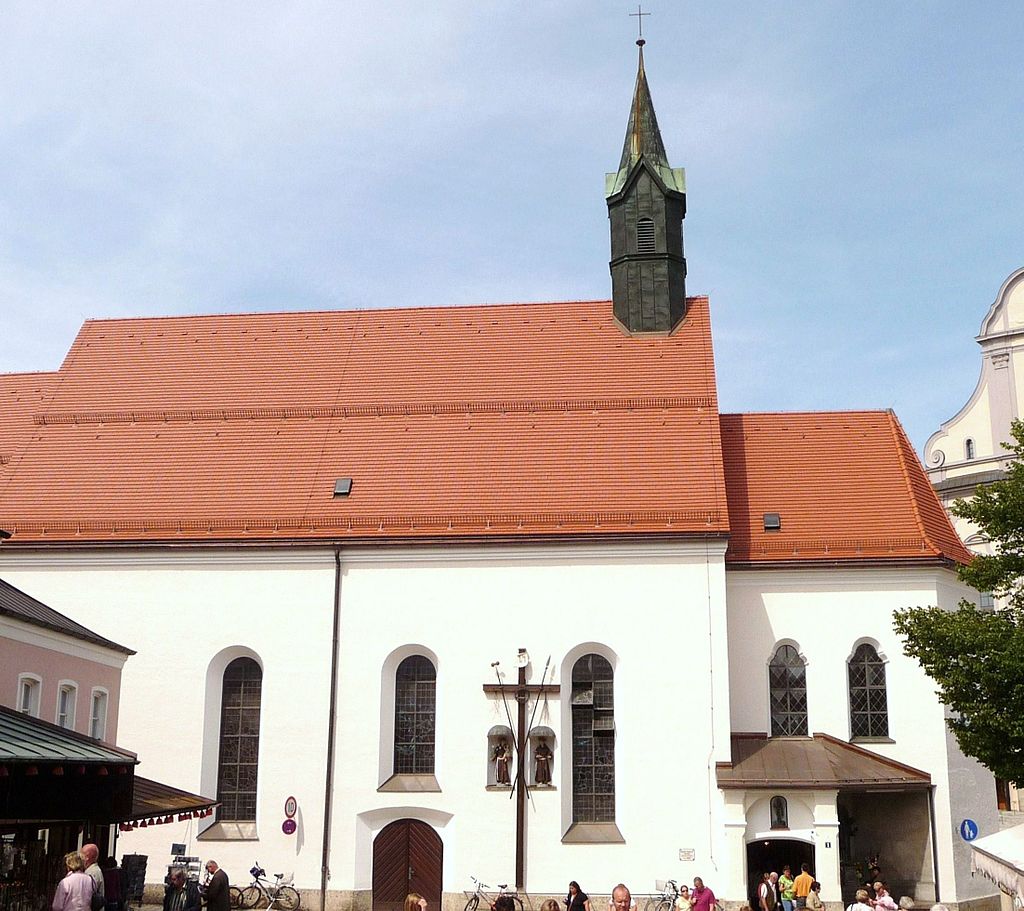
181, 894
802, 886
684, 902
90, 855
766, 897
785, 888
883, 901
814, 902
703, 898
74, 891
218, 898
577, 899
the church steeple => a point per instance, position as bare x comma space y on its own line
646, 206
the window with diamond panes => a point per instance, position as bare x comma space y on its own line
593, 740
869, 711
415, 688
239, 740
787, 693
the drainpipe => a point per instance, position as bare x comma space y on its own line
935, 844
325, 870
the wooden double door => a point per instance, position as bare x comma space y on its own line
407, 857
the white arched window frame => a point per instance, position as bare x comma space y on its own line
575, 832
968, 449
29, 696
390, 778
67, 704
98, 702
217, 827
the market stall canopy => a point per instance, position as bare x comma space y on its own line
51, 774
1000, 857
154, 803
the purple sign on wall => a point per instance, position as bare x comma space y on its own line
288, 827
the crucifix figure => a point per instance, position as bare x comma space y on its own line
640, 21
522, 691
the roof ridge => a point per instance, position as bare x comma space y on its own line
800, 412
427, 308
899, 438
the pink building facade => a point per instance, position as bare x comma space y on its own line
57, 670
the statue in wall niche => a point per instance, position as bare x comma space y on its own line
542, 762
502, 762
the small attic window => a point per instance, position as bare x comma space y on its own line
772, 521
645, 242
343, 487
968, 449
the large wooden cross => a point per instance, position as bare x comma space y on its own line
523, 692
640, 18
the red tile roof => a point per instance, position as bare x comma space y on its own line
519, 420
847, 485
21, 396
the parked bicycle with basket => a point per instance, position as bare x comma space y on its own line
279, 894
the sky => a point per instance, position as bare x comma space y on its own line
854, 171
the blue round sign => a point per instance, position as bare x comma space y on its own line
968, 830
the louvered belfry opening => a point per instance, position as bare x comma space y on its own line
645, 240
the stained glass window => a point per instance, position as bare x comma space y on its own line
787, 693
869, 712
593, 740
415, 706
239, 740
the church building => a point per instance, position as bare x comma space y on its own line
430, 594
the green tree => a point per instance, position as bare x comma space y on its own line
977, 656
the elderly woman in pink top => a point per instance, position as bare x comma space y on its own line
74, 891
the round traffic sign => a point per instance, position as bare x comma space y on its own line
968, 830
290, 807
288, 827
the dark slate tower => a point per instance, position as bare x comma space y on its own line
646, 205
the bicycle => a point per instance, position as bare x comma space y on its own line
666, 900
481, 892
279, 894
234, 893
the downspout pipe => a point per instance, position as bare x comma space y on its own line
332, 717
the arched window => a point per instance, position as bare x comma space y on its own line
239, 740
787, 690
645, 241
67, 702
968, 449
593, 740
29, 689
779, 812
98, 714
415, 686
869, 713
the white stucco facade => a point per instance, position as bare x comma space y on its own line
689, 643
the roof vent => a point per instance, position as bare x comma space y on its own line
343, 487
772, 521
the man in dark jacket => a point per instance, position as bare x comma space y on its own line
182, 893
217, 895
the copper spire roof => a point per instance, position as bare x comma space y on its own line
643, 141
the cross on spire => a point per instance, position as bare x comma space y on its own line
639, 14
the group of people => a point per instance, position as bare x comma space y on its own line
789, 892
88, 886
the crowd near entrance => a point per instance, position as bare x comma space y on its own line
773, 855
407, 857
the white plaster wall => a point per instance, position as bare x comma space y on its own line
179, 611
827, 613
651, 610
